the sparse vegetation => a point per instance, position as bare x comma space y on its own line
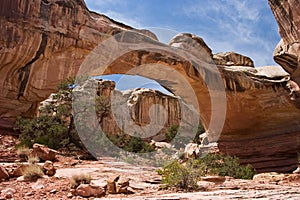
33, 159
22, 151
76, 180
131, 143
33, 172
185, 176
54, 127
176, 175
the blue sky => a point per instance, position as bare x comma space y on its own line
244, 26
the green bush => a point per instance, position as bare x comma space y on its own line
185, 176
43, 130
131, 143
221, 165
55, 125
176, 175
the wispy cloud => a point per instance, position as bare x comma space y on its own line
235, 23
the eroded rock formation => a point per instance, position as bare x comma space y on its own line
146, 112
287, 52
42, 43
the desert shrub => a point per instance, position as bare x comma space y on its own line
54, 126
43, 130
33, 159
32, 173
131, 143
22, 151
76, 180
221, 165
176, 175
185, 176
199, 130
171, 133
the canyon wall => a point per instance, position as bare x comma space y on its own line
42, 42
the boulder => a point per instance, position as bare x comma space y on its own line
232, 59
18, 170
269, 177
3, 173
49, 168
86, 190
192, 150
43, 152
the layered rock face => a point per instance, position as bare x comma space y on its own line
148, 113
287, 52
42, 43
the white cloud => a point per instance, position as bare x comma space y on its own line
123, 18
233, 25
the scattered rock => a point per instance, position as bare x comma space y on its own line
86, 190
69, 195
48, 168
18, 171
29, 194
291, 178
8, 193
21, 179
205, 185
3, 173
111, 184
297, 171
214, 179
192, 150
53, 191
160, 145
43, 152
38, 185
269, 177
122, 186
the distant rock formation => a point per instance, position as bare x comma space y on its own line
146, 112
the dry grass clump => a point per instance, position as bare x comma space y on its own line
22, 151
33, 159
76, 180
32, 173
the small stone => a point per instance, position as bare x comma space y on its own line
69, 195
73, 192
8, 196
17, 172
37, 185
48, 168
214, 179
53, 191
8, 192
29, 193
21, 179
297, 171
3, 173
